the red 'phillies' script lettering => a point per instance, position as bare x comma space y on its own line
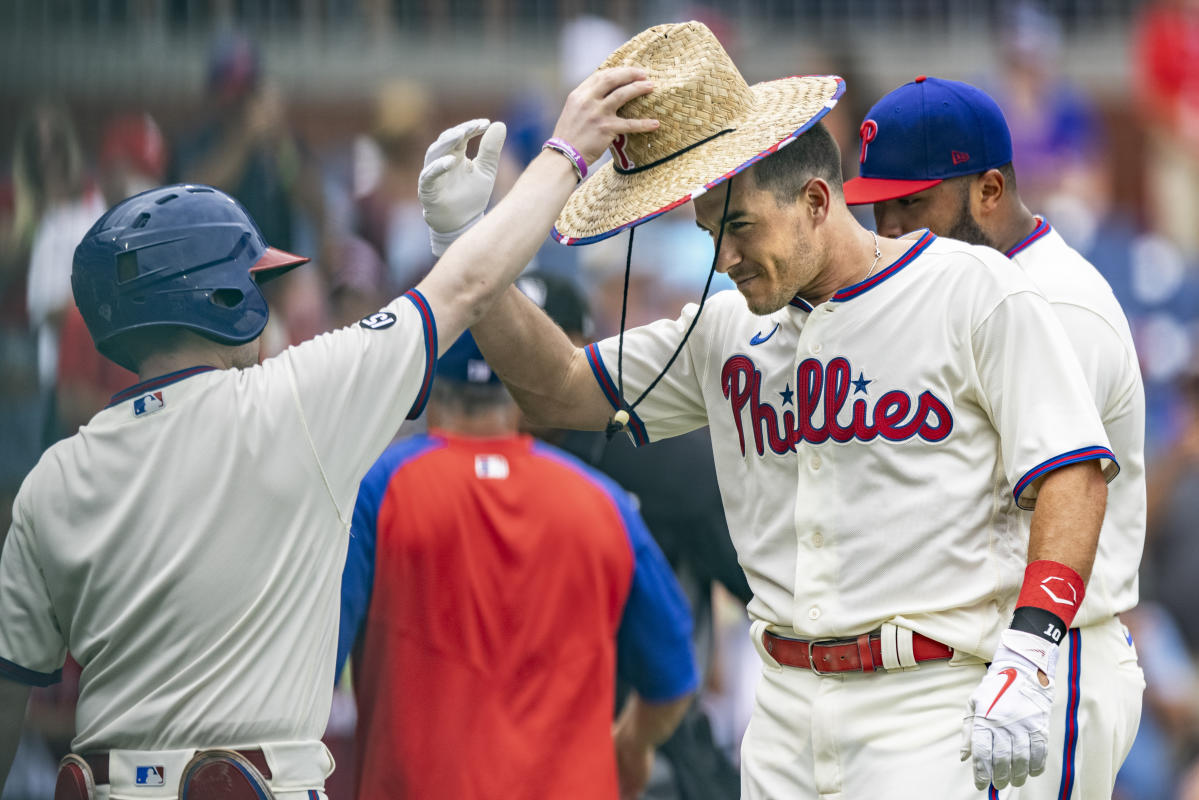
826, 388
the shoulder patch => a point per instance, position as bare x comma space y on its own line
378, 321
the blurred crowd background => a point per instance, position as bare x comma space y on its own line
316, 115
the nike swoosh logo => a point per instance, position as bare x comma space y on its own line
1010, 673
758, 338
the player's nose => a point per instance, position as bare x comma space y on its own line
886, 222
727, 258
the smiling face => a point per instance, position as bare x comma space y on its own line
945, 209
769, 249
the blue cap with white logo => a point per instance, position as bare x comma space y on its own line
464, 363
924, 132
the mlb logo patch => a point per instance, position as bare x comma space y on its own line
491, 467
150, 776
148, 404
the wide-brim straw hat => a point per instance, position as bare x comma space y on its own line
713, 126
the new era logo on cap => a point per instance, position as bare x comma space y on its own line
924, 132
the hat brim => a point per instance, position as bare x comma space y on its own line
860, 191
274, 262
609, 202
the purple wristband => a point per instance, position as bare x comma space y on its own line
565, 148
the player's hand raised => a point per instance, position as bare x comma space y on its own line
589, 120
1007, 727
454, 190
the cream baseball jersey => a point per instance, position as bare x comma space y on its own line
186, 546
1102, 340
872, 451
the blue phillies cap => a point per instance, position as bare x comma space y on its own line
464, 363
924, 132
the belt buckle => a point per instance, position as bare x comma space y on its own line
812, 656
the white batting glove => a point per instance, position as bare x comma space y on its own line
454, 189
1007, 729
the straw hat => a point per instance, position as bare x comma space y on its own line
713, 125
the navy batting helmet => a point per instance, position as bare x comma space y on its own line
184, 255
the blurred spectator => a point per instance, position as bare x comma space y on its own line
1166, 736
386, 166
132, 159
1166, 81
359, 284
1172, 547
1057, 133
51, 184
246, 148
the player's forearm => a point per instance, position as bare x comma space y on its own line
545, 373
646, 724
487, 258
13, 698
1069, 513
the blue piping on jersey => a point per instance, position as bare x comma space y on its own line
138, 389
1041, 230
15, 672
1073, 457
430, 326
608, 387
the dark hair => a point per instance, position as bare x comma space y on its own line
1009, 176
468, 399
813, 155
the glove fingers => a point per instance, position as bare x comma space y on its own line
1038, 753
488, 158
454, 139
1021, 748
967, 732
1001, 759
430, 174
981, 745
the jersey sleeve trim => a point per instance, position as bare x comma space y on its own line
430, 326
1110, 470
15, 672
608, 387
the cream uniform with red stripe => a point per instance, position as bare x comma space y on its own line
874, 453
186, 547
1098, 701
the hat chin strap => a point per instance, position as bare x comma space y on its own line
621, 417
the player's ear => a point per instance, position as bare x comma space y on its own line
990, 188
815, 199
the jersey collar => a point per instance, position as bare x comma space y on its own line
1038, 232
850, 292
155, 383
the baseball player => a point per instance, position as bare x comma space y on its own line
186, 545
960, 183
881, 409
512, 584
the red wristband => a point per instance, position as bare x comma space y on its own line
1054, 587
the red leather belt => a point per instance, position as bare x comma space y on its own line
861, 654
99, 764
